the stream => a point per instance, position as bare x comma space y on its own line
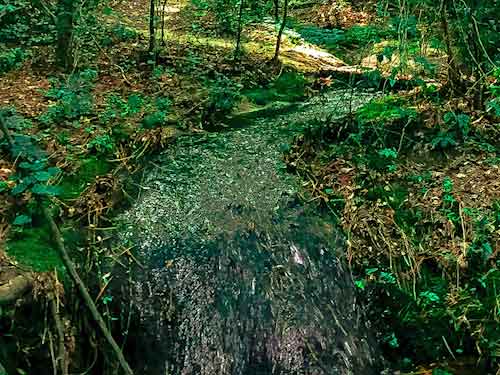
238, 276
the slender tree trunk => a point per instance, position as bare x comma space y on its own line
276, 10
280, 33
237, 50
163, 22
152, 29
451, 71
64, 50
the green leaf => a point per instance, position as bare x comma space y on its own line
35, 166
53, 171
19, 188
22, 220
361, 284
47, 190
42, 176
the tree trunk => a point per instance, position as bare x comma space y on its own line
451, 70
152, 31
64, 49
163, 22
280, 33
276, 10
237, 50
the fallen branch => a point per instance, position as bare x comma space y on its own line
68, 263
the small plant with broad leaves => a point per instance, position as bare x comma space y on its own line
223, 95
72, 98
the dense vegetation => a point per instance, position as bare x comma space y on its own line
89, 90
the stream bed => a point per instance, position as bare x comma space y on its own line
239, 276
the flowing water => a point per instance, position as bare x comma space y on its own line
239, 277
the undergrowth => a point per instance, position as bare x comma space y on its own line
423, 245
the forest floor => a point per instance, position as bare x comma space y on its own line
411, 177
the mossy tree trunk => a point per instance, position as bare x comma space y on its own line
276, 10
65, 18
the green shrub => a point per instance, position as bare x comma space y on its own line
11, 58
223, 96
73, 98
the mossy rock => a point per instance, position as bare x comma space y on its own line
33, 248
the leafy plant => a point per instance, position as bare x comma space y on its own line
72, 98
223, 96
11, 58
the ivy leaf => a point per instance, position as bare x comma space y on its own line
53, 171
47, 190
35, 166
22, 220
42, 176
19, 188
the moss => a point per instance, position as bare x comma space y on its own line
33, 248
389, 108
73, 185
289, 87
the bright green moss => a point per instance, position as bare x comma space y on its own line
33, 248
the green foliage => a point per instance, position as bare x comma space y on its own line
119, 109
33, 173
122, 33
33, 247
11, 58
493, 105
26, 22
88, 169
102, 144
22, 220
158, 116
72, 98
337, 39
223, 95
289, 87
455, 128
35, 177
226, 13
389, 108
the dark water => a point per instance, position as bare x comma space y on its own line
239, 277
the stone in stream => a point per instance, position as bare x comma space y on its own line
240, 278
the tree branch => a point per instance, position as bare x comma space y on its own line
68, 263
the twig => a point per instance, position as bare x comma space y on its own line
61, 355
68, 263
